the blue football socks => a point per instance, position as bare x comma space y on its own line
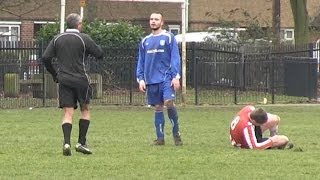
173, 116
159, 123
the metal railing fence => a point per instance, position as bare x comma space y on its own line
216, 74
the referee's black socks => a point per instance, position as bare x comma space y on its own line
66, 129
83, 129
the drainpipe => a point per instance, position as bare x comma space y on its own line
62, 16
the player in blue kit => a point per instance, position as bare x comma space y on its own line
158, 74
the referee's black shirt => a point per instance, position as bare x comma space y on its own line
71, 49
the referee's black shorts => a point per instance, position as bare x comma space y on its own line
69, 96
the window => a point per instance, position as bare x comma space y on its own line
174, 29
37, 25
9, 31
287, 34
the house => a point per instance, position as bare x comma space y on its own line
202, 14
20, 21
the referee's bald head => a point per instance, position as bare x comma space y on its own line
73, 20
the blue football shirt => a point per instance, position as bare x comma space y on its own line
159, 58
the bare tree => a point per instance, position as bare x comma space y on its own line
301, 21
21, 7
276, 18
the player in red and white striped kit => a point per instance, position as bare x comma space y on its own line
248, 125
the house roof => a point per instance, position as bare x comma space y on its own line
34, 10
199, 10
50, 10
134, 11
230, 10
245, 11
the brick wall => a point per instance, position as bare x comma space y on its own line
26, 31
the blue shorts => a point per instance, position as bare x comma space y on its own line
158, 93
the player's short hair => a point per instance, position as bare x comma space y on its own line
158, 13
259, 115
73, 20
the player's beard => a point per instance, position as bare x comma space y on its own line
155, 28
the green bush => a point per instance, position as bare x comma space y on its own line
120, 34
108, 35
47, 32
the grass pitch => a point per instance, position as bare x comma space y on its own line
120, 138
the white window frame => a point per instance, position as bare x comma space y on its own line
174, 27
44, 22
10, 24
285, 34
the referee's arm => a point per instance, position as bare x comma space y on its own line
93, 48
47, 56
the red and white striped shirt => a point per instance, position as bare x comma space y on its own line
242, 133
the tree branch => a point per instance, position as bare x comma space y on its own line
5, 5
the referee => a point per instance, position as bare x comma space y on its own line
71, 48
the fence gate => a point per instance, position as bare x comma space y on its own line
301, 77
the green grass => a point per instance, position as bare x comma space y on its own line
120, 137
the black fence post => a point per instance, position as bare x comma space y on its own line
272, 78
40, 50
235, 83
310, 64
242, 82
132, 74
310, 45
312, 73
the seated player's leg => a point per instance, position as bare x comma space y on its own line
279, 141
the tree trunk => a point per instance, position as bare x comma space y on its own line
301, 21
276, 21
91, 11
